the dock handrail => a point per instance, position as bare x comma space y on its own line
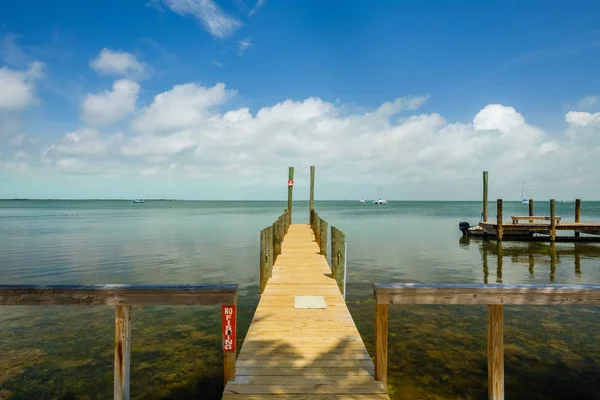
271, 239
493, 296
338, 248
123, 297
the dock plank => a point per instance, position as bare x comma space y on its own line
299, 354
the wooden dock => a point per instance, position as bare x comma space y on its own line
303, 353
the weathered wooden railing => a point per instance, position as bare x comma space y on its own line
338, 248
271, 239
493, 296
123, 297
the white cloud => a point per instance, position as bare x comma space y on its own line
114, 62
110, 106
70, 164
17, 88
17, 140
581, 118
86, 142
208, 13
189, 133
181, 107
588, 102
243, 45
498, 117
259, 4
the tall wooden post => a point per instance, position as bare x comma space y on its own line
552, 220
495, 351
311, 202
531, 210
485, 196
499, 228
122, 352
381, 342
577, 214
290, 193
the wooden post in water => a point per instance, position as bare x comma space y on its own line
485, 196
311, 202
381, 342
499, 229
577, 213
495, 351
122, 352
552, 220
323, 234
531, 210
290, 193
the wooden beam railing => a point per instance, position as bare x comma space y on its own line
320, 227
271, 240
338, 248
123, 297
338, 258
493, 296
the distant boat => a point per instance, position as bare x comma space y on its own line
379, 199
362, 201
524, 201
138, 201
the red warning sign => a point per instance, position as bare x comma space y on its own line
290, 183
228, 319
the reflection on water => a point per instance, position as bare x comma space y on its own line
543, 255
436, 352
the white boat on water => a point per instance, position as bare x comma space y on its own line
524, 200
362, 201
138, 201
379, 199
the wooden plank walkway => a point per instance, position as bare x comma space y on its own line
298, 354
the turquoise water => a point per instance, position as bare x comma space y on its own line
435, 352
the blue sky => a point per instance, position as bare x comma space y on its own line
504, 86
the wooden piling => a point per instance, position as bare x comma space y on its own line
577, 214
122, 352
338, 257
531, 210
485, 196
311, 202
495, 351
381, 342
499, 229
290, 193
552, 219
323, 235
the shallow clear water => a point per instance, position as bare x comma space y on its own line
435, 352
